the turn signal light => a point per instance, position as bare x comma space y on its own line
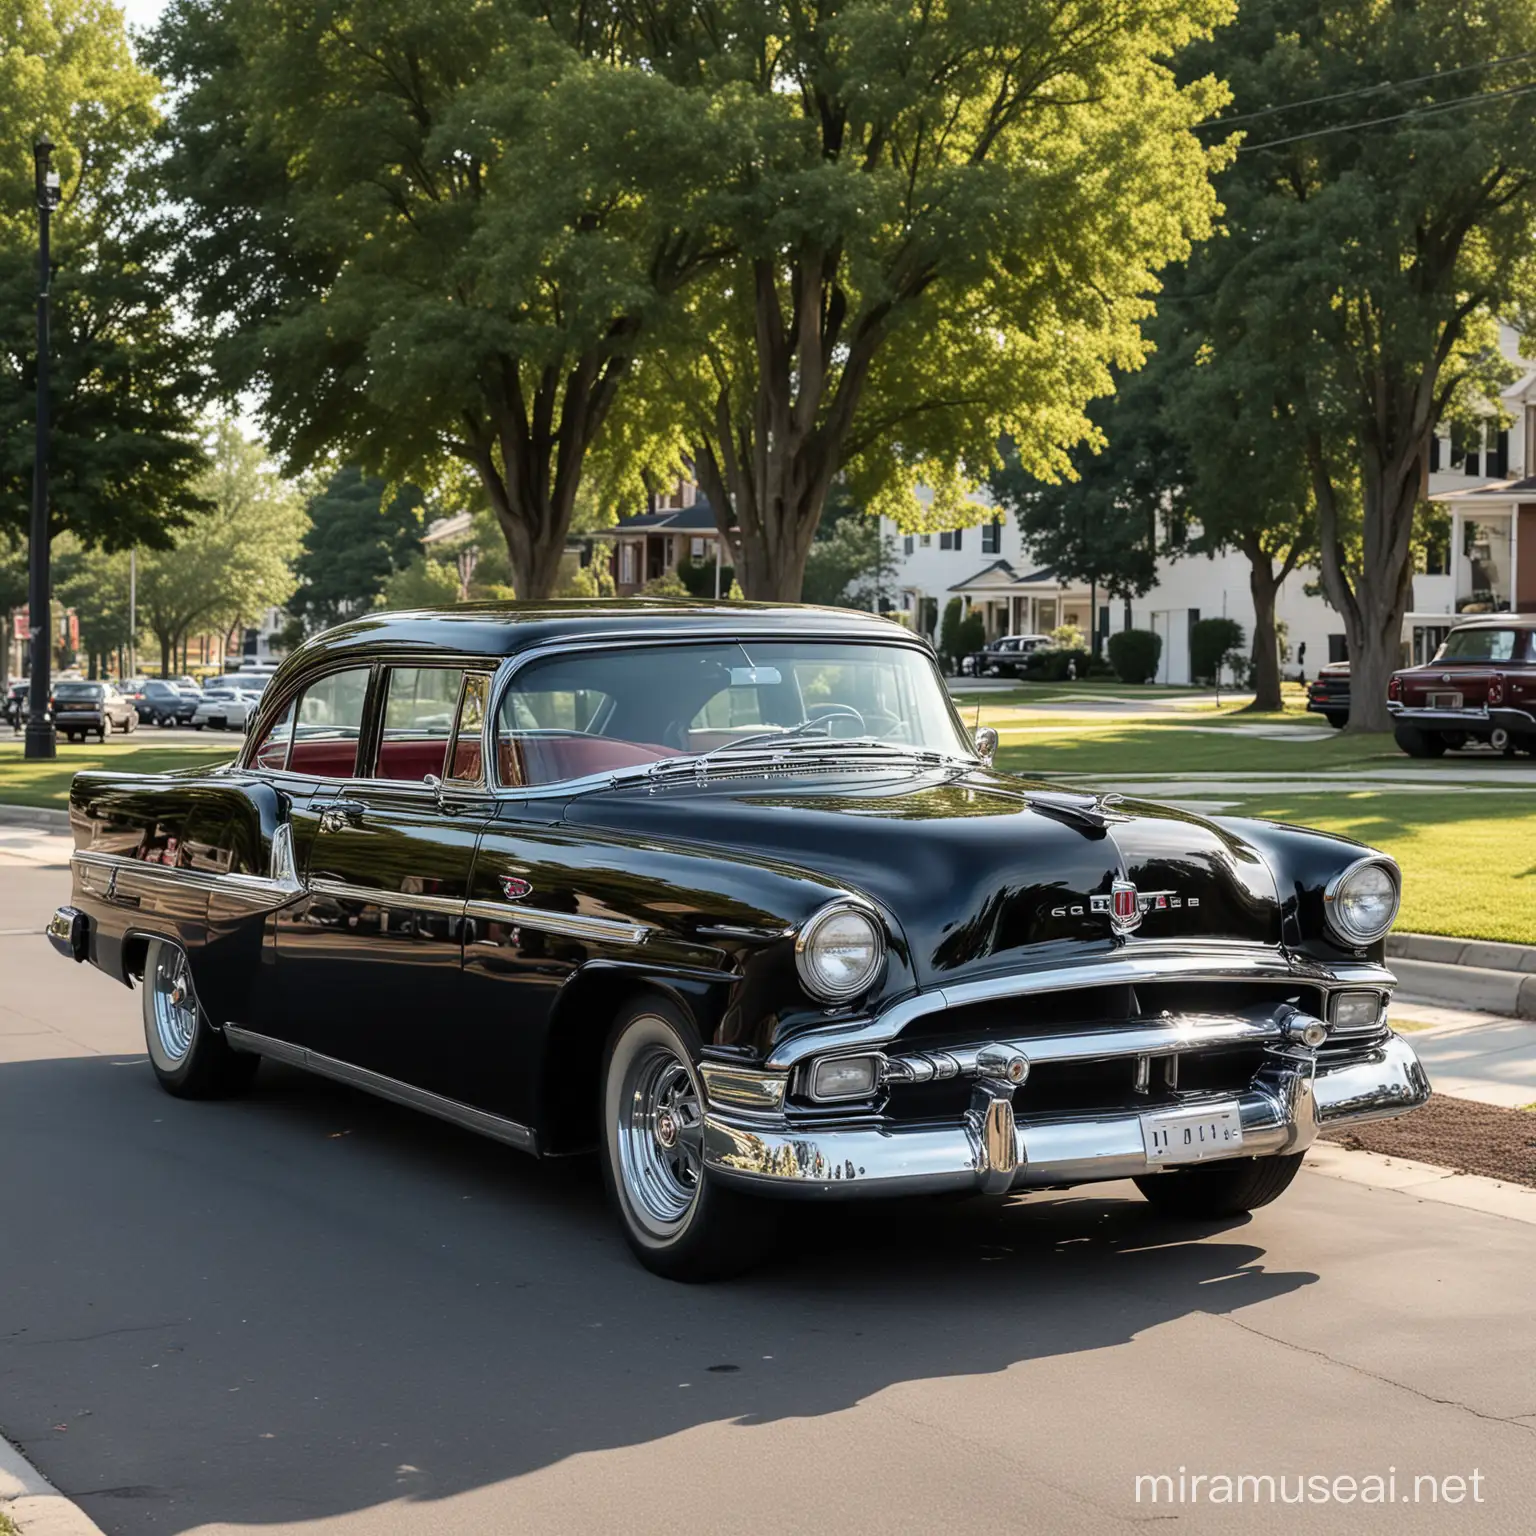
1394, 687
846, 1077
1496, 689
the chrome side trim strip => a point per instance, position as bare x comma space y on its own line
1237, 964
400, 901
571, 925
481, 1121
743, 1087
248, 894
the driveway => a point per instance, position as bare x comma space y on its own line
308, 1310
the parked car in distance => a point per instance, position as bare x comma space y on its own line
86, 709
228, 703
577, 876
1480, 686
161, 703
1328, 694
1004, 657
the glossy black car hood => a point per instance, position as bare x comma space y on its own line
981, 872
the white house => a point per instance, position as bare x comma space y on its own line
1485, 479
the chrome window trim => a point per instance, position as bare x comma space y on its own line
481, 1121
571, 925
682, 635
1236, 963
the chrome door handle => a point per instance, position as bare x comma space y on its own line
342, 813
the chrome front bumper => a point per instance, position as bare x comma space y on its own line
1293, 1096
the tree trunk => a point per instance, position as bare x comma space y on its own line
1264, 585
165, 653
1372, 609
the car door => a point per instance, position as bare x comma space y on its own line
369, 961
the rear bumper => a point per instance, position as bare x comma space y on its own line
1519, 722
988, 1150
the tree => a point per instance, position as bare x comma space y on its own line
1372, 235
944, 228
359, 535
125, 386
94, 584
230, 562
851, 563
433, 234
1121, 503
13, 594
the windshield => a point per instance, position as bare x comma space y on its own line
599, 711
1478, 645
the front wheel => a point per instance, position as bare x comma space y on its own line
679, 1223
191, 1059
1216, 1190
1417, 743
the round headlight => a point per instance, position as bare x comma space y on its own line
1362, 902
839, 951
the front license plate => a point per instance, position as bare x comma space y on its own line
1187, 1135
1445, 701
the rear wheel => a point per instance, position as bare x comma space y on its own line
679, 1223
1417, 743
1338, 721
1215, 1190
191, 1059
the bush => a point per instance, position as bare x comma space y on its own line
1211, 642
1056, 666
949, 635
1134, 654
970, 637
1068, 637
699, 577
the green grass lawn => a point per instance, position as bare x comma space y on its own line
1468, 860
47, 783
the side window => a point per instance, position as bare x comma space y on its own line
419, 706
272, 752
467, 762
328, 724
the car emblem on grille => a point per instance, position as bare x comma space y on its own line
1125, 906
516, 889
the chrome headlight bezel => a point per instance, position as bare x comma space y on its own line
1337, 891
815, 925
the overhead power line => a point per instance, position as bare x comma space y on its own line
1482, 98
1365, 90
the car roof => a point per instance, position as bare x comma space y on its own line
1495, 621
505, 629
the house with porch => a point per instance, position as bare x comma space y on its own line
677, 525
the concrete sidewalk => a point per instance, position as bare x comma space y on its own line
1473, 1055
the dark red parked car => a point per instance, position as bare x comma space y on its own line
1480, 686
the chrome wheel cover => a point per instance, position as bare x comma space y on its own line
659, 1137
174, 1006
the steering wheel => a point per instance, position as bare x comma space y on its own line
884, 725
831, 712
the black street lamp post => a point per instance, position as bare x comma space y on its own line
42, 741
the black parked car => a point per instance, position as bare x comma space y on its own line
728, 894
91, 709
1328, 694
163, 703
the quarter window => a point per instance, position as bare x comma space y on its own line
273, 750
328, 725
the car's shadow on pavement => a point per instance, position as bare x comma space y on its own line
308, 1302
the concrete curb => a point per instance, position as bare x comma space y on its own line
1512, 993
34, 816
1485, 954
1425, 1181
34, 1505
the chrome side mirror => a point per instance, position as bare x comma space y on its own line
986, 744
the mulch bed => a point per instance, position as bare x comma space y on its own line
1455, 1133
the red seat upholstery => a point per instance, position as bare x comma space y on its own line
551, 759
326, 757
412, 761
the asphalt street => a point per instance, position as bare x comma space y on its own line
308, 1310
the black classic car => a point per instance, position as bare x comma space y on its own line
728, 894
1328, 694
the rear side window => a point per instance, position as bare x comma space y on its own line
419, 708
328, 724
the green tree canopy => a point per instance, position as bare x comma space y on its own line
358, 535
231, 561
125, 385
433, 234
1380, 214
944, 227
